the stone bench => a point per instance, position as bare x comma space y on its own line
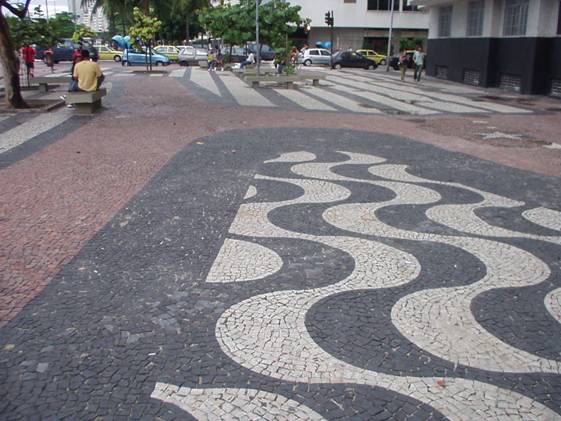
287, 80
45, 81
86, 102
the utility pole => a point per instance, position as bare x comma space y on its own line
257, 48
390, 39
330, 22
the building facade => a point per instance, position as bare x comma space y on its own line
364, 23
84, 14
513, 44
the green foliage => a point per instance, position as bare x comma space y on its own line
235, 24
81, 33
32, 30
63, 24
144, 29
410, 43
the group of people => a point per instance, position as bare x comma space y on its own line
418, 58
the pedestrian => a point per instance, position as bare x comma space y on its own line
87, 76
249, 60
211, 60
403, 62
49, 59
294, 56
76, 57
419, 60
28, 53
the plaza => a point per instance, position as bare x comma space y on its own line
365, 249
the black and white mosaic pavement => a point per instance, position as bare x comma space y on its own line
305, 274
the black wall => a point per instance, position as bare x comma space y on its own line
535, 60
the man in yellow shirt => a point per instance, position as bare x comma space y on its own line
87, 74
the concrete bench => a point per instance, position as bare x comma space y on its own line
45, 81
86, 102
287, 80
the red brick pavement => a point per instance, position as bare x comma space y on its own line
54, 201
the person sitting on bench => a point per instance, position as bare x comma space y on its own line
87, 76
250, 60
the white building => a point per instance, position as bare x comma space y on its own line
96, 21
514, 44
364, 23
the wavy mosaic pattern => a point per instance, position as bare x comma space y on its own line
233, 403
267, 333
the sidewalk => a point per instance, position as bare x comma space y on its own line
174, 256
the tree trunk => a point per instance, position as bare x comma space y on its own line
10, 67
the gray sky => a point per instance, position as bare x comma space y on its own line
54, 6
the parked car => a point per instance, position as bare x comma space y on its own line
108, 53
133, 57
380, 59
63, 51
191, 55
315, 56
237, 55
352, 59
267, 53
167, 50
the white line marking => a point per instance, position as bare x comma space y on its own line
28, 130
203, 79
342, 101
305, 101
243, 94
178, 73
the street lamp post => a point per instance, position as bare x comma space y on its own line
390, 38
257, 48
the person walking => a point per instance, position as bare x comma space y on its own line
403, 62
211, 60
28, 53
49, 59
419, 60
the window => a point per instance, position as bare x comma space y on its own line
409, 8
476, 11
516, 17
383, 4
314, 52
444, 21
325, 53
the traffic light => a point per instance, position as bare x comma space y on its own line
329, 18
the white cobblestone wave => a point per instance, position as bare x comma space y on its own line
462, 217
553, 304
267, 333
440, 321
251, 192
242, 261
545, 217
299, 156
233, 404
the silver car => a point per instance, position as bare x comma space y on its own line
314, 56
190, 55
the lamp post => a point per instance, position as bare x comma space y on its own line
258, 50
390, 38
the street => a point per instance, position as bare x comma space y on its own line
366, 249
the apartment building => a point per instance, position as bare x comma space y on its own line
364, 23
513, 44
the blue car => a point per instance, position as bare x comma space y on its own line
136, 57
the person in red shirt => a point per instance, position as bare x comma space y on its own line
28, 53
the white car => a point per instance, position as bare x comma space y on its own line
314, 56
191, 55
